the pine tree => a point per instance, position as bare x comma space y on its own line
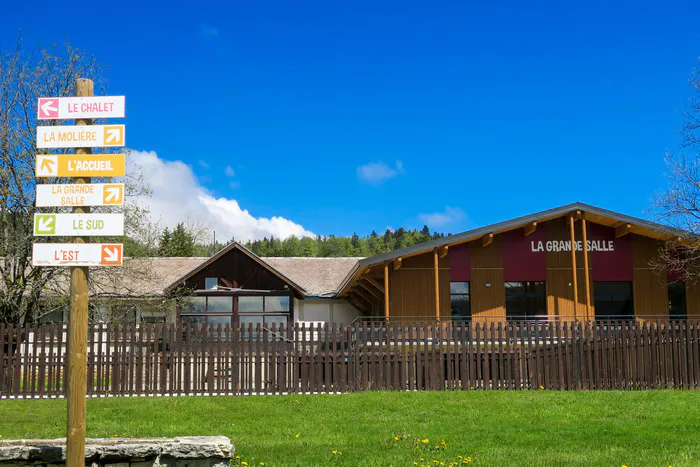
164, 244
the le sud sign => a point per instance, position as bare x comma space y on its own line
80, 136
80, 194
77, 254
564, 245
78, 224
60, 108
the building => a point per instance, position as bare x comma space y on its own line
521, 268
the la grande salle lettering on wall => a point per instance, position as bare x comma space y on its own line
565, 245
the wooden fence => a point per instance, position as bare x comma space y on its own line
158, 360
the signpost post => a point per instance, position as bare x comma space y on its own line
79, 195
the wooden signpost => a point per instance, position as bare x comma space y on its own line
79, 195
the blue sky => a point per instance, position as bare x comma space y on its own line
352, 116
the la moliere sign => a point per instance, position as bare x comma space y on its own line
80, 136
58, 108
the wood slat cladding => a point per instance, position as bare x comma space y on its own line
236, 269
412, 287
559, 280
487, 288
650, 286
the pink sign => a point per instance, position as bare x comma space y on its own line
61, 108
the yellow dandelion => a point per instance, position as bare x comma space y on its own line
425, 441
262, 463
340, 453
297, 435
396, 438
541, 387
334, 451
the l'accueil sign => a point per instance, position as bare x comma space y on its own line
80, 165
80, 194
563, 245
78, 224
79, 136
77, 254
60, 108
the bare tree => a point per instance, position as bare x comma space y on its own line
679, 205
27, 293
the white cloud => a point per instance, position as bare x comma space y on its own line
178, 195
377, 172
229, 171
208, 30
440, 219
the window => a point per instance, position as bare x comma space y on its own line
526, 300
459, 300
676, 300
210, 283
613, 300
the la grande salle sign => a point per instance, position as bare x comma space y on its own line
564, 245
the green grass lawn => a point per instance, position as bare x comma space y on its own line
653, 428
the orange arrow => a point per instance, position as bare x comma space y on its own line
46, 165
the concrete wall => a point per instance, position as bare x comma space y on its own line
194, 451
324, 311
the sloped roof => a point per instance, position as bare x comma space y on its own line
592, 213
319, 276
143, 277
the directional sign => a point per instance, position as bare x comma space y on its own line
80, 165
84, 194
78, 224
77, 254
60, 108
80, 136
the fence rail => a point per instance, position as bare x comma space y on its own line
157, 360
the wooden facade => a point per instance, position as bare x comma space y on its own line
569, 253
238, 273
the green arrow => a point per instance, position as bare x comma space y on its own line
44, 224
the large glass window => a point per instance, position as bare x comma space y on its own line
459, 300
613, 300
250, 304
216, 309
676, 300
526, 300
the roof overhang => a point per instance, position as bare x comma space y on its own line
591, 213
235, 245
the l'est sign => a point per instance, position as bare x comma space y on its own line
61, 108
77, 254
80, 136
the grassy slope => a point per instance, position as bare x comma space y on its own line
655, 428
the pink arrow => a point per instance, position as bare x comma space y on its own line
48, 108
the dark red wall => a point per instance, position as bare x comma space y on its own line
520, 262
525, 258
460, 264
615, 265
